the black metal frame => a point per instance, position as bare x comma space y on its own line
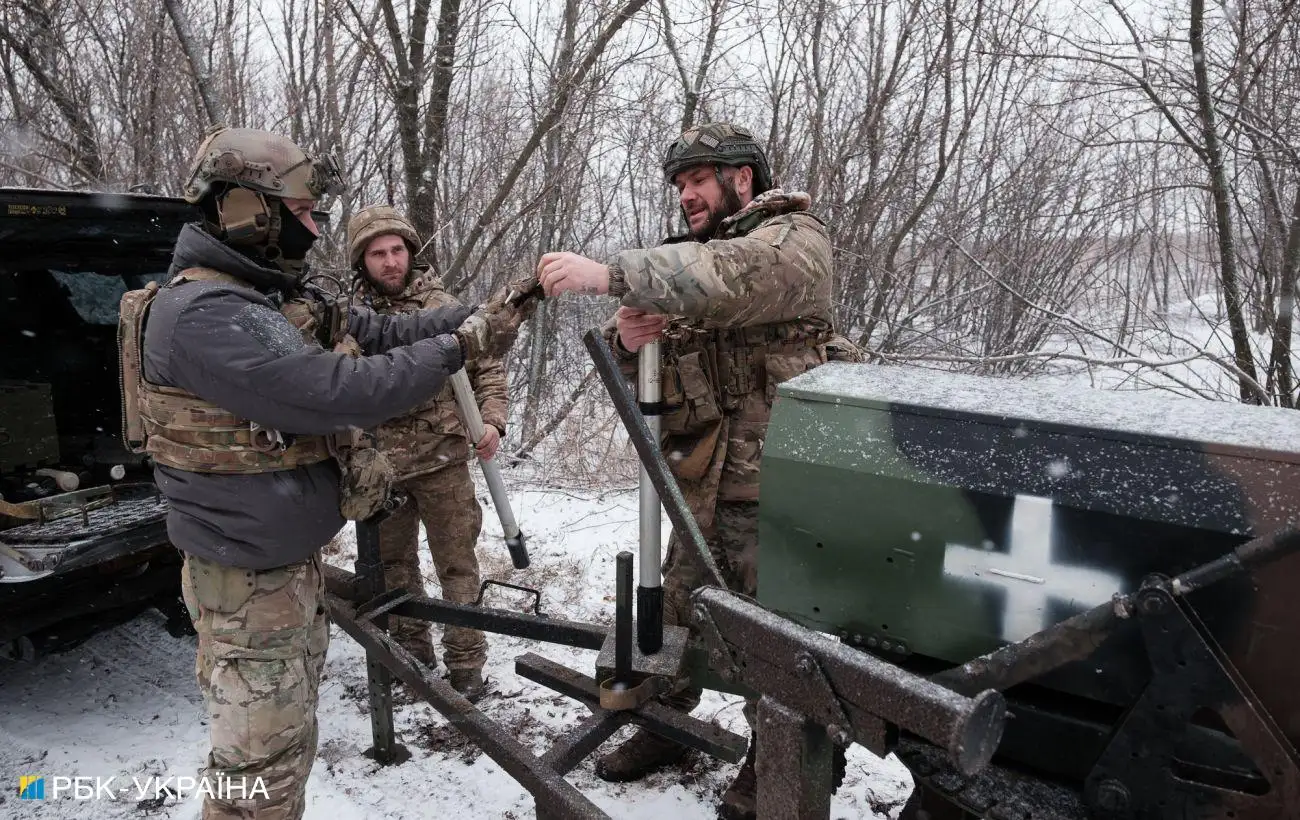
1141, 770
825, 685
816, 694
799, 754
361, 607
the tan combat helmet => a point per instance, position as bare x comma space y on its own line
374, 221
240, 176
260, 161
718, 143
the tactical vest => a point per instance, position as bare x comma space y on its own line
709, 372
429, 437
179, 429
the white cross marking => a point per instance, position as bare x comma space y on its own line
1036, 578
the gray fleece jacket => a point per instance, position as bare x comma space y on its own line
231, 346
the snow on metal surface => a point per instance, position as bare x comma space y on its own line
1009, 400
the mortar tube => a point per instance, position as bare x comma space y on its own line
650, 591
623, 618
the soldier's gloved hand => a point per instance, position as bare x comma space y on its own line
491, 330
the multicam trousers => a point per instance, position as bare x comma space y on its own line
732, 537
444, 501
263, 635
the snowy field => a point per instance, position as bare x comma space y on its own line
125, 704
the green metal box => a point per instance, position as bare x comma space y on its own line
931, 517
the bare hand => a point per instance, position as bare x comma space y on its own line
636, 327
561, 272
487, 446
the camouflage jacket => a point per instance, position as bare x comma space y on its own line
751, 308
432, 436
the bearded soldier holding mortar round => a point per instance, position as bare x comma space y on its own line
742, 302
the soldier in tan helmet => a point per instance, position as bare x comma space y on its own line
430, 451
742, 302
245, 386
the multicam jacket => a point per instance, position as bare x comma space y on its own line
752, 309
432, 436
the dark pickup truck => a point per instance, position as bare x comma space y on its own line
83, 543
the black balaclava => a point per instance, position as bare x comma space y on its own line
295, 239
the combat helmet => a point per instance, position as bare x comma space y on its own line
718, 143
375, 221
240, 176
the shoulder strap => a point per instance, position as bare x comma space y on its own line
130, 327
206, 275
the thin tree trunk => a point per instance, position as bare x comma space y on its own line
1229, 278
423, 202
208, 93
540, 340
1289, 281
456, 273
409, 56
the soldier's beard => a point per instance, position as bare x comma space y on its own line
390, 289
730, 205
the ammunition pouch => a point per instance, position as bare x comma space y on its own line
743, 369
690, 457
708, 373
367, 481
689, 394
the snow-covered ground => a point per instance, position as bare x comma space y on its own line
125, 704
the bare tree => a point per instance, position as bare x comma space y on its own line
32, 34
208, 92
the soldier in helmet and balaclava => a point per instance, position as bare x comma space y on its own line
742, 302
245, 391
429, 449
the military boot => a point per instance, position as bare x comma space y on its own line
639, 755
740, 802
425, 654
469, 682
422, 650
